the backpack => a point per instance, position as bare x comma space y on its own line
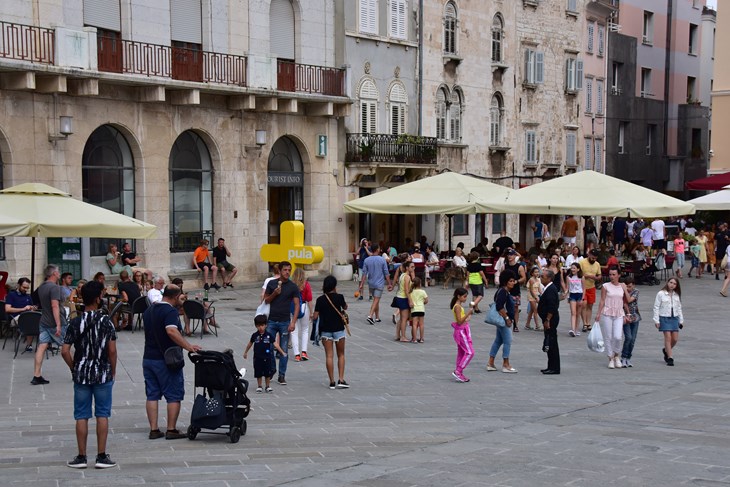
302, 308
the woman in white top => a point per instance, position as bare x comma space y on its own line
459, 259
276, 275
611, 317
573, 257
725, 284
573, 286
668, 316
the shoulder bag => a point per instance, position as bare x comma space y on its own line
174, 358
343, 315
493, 316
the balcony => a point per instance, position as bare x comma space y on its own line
307, 78
27, 43
409, 150
186, 63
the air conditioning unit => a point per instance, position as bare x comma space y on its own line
615, 90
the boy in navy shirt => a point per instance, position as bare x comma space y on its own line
264, 344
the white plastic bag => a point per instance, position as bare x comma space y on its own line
263, 308
595, 339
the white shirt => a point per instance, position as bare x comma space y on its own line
569, 261
154, 295
657, 227
542, 261
459, 261
691, 231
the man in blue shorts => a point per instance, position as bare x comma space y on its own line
375, 268
93, 368
53, 319
162, 330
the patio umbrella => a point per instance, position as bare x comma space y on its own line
719, 200
593, 193
448, 193
50, 212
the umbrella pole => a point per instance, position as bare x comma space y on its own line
450, 217
32, 263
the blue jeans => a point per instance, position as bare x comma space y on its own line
504, 340
282, 328
630, 331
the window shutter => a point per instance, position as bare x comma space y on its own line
530, 149
591, 29
570, 148
455, 121
601, 39
588, 154
539, 70
494, 122
589, 95
186, 19
104, 14
369, 16
528, 77
441, 115
599, 97
579, 74
568, 75
281, 29
398, 19
598, 157
373, 117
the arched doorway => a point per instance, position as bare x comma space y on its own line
191, 193
107, 177
286, 183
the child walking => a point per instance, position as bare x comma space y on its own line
631, 321
264, 344
668, 316
477, 279
533, 295
419, 298
694, 252
462, 334
573, 285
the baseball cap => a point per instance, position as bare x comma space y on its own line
594, 252
511, 252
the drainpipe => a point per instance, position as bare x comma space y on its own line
420, 67
667, 73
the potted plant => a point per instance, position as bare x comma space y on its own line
342, 270
366, 149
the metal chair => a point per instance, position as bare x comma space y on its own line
196, 312
5, 329
29, 325
139, 306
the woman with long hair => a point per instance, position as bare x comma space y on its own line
611, 316
505, 304
668, 316
300, 335
403, 301
328, 309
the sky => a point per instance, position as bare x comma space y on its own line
712, 3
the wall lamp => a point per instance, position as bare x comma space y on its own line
260, 142
65, 128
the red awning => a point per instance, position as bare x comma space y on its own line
710, 183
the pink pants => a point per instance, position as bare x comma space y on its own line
464, 348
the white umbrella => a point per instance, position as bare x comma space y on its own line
719, 200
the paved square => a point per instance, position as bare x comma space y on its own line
405, 421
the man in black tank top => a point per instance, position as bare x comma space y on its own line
513, 264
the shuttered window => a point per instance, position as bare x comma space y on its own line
495, 121
368, 107
450, 28
398, 100
601, 39
591, 35
186, 21
530, 147
570, 148
398, 19
598, 156
497, 36
281, 29
534, 66
589, 154
599, 97
441, 115
104, 14
589, 95
369, 16
455, 117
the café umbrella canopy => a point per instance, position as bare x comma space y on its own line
49, 212
719, 200
447, 193
593, 193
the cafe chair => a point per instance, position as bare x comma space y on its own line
196, 313
139, 306
5, 329
29, 325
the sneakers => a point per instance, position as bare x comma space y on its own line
341, 384
332, 385
617, 362
611, 365
216, 286
370, 321
571, 333
259, 390
104, 461
628, 363
206, 286
378, 320
29, 348
297, 358
269, 389
79, 461
36, 381
360, 298
664, 351
577, 333
174, 435
154, 434
623, 363
491, 368
305, 357
459, 377
281, 380
670, 361
509, 370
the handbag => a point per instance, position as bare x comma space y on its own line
209, 413
174, 358
595, 339
493, 316
723, 263
343, 315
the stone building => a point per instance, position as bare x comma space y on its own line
204, 118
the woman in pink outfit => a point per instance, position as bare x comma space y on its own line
611, 316
462, 334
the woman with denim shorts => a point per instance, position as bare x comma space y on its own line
668, 316
328, 309
573, 285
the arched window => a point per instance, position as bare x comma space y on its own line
455, 116
286, 199
282, 29
497, 38
368, 95
398, 101
450, 26
495, 120
191, 193
441, 113
107, 177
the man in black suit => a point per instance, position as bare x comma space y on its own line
547, 309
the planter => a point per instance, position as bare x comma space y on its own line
342, 272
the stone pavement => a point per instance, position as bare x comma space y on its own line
405, 421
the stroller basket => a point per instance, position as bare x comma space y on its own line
223, 402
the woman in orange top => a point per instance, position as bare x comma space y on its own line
201, 262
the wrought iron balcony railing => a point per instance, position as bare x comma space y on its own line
132, 57
27, 43
387, 148
308, 78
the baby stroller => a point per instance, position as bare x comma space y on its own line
223, 402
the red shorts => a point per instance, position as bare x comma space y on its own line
589, 295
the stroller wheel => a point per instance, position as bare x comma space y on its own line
193, 432
244, 426
235, 434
